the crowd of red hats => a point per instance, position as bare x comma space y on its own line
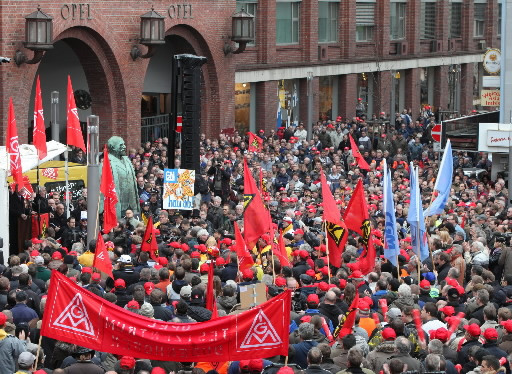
450, 313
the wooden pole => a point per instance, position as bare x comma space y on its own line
38, 349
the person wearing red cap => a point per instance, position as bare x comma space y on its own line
123, 297
301, 266
127, 364
472, 334
10, 348
506, 340
312, 301
298, 236
491, 343
383, 352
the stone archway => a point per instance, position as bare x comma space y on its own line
102, 74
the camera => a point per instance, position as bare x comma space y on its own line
4, 60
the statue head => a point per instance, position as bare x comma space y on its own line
116, 146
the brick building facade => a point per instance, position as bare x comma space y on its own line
394, 54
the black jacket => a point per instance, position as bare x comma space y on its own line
462, 356
199, 313
316, 369
162, 313
229, 272
300, 268
330, 311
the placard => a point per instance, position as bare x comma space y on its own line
490, 98
179, 189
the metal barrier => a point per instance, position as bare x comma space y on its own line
154, 127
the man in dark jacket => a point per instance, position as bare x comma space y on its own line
120, 291
472, 334
126, 271
442, 265
329, 309
301, 267
314, 360
230, 271
299, 352
491, 338
196, 310
160, 312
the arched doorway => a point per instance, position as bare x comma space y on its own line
156, 93
84, 55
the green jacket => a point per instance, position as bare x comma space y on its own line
43, 273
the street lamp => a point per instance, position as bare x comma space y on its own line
151, 34
242, 29
38, 37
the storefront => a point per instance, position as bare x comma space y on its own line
328, 98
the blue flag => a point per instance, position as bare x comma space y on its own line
416, 219
279, 121
443, 182
391, 245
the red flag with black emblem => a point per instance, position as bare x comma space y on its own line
361, 162
336, 229
255, 143
244, 257
40, 224
149, 241
108, 189
255, 215
367, 259
74, 131
356, 215
39, 134
347, 324
101, 258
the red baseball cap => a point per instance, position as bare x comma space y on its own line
174, 244
163, 261
86, 270
490, 334
507, 324
36, 241
96, 277
133, 304
34, 253
195, 254
342, 283
313, 298
303, 253
127, 362
323, 286
425, 284
57, 255
448, 310
356, 275
298, 232
280, 282
119, 283
204, 268
247, 274
3, 319
220, 261
363, 306
441, 334
310, 272
388, 334
149, 286
473, 329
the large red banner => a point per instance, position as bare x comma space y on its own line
75, 315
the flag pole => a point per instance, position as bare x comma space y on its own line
418, 231
38, 349
66, 173
39, 197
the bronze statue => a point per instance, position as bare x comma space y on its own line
124, 178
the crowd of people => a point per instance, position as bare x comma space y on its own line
469, 270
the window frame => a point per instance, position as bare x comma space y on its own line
401, 6
367, 28
458, 34
424, 28
294, 23
331, 28
479, 24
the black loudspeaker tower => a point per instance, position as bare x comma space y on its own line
186, 87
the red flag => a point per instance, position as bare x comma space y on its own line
101, 258
255, 215
77, 316
211, 303
336, 229
39, 134
108, 189
40, 224
255, 143
74, 131
356, 215
13, 147
361, 162
281, 253
348, 324
367, 259
149, 241
244, 257
26, 191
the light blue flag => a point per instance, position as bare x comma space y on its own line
391, 245
416, 219
279, 121
443, 182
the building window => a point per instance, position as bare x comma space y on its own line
397, 21
479, 18
250, 7
287, 22
327, 21
365, 21
428, 20
455, 20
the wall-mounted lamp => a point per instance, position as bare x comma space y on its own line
38, 37
242, 30
151, 34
